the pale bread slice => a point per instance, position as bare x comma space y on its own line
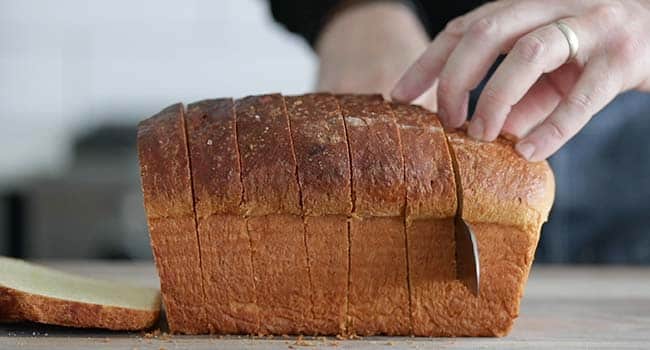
30, 292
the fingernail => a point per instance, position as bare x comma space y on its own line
525, 149
476, 128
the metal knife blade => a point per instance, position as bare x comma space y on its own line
468, 269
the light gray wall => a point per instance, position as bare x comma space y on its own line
66, 65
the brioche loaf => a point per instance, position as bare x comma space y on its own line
333, 214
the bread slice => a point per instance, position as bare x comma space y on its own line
321, 150
506, 200
30, 292
378, 292
168, 200
273, 210
226, 258
430, 208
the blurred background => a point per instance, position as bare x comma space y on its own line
76, 76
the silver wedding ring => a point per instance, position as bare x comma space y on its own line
571, 38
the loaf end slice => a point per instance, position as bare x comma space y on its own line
506, 199
169, 204
30, 292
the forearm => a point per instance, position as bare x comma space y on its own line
368, 44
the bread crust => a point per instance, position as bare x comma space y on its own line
268, 166
431, 203
499, 186
214, 157
273, 210
323, 169
16, 305
430, 184
321, 151
231, 303
169, 204
377, 165
377, 241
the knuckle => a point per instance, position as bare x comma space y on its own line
530, 49
580, 103
483, 28
445, 88
557, 130
494, 97
456, 26
625, 48
609, 13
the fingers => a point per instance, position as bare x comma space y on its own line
533, 108
597, 86
540, 100
421, 75
538, 52
477, 51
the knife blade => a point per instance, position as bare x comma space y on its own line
468, 269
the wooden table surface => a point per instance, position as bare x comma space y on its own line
564, 308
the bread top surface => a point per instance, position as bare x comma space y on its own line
214, 157
321, 150
499, 186
430, 184
267, 160
164, 165
377, 163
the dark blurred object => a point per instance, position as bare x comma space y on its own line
93, 210
15, 222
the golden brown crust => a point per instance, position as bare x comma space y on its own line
231, 301
281, 275
432, 267
167, 189
430, 185
499, 186
377, 164
268, 165
506, 256
164, 164
378, 295
321, 149
327, 246
17, 305
275, 225
224, 242
214, 157
323, 169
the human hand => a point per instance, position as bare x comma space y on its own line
535, 94
365, 48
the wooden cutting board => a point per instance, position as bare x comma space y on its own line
564, 308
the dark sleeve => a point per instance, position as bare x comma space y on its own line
308, 17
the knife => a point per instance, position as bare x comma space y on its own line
468, 269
